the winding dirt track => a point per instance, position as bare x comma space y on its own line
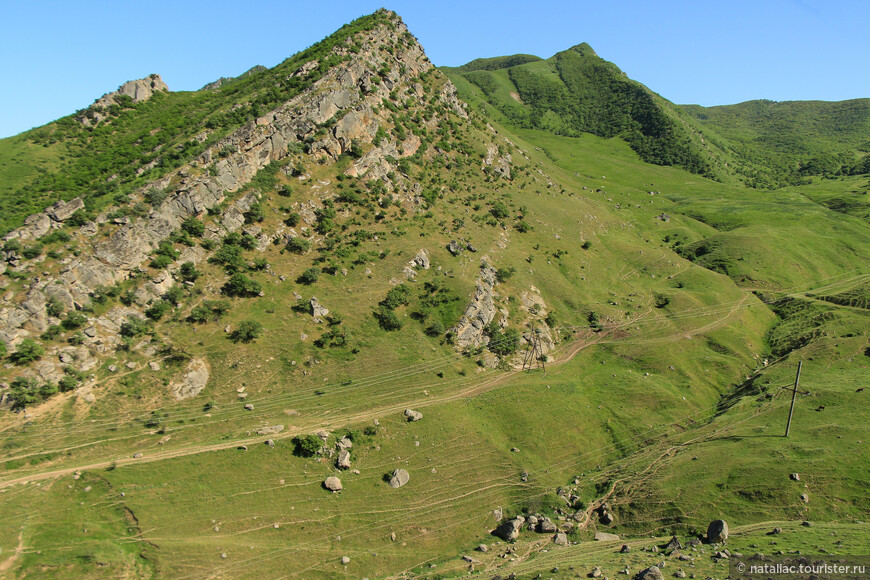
565, 354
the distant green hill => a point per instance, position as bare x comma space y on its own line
577, 92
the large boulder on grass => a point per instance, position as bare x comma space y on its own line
717, 531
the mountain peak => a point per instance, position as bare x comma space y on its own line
583, 49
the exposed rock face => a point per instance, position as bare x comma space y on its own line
421, 260
480, 312
138, 90
717, 531
400, 477
194, 380
317, 311
509, 530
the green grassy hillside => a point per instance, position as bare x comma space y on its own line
678, 307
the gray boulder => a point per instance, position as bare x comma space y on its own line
717, 531
332, 483
651, 573
545, 526
343, 459
413, 415
560, 539
509, 530
605, 537
399, 478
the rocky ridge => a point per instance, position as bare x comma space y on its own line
347, 100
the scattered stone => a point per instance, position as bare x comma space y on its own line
131, 365
154, 366
560, 539
242, 447
807, 524
717, 531
776, 531
605, 537
399, 478
805, 498
87, 489
413, 415
651, 573
679, 574
270, 430
674, 544
606, 518
65, 357
137, 455
721, 555
795, 477
112, 369
343, 460
332, 483
249, 407
654, 549
509, 530
545, 526
625, 549
468, 559
345, 560
515, 450
482, 548
223, 555
596, 572
454, 248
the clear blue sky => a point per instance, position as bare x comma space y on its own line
57, 56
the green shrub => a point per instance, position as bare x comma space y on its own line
504, 274
74, 320
134, 327
397, 296
53, 307
188, 272
309, 276
193, 226
242, 286
247, 331
28, 350
298, 245
158, 309
307, 445
388, 320
500, 210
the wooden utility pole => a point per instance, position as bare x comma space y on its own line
793, 395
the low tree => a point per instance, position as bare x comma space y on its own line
307, 445
247, 331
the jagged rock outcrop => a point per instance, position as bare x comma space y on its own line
138, 90
480, 312
353, 92
194, 380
